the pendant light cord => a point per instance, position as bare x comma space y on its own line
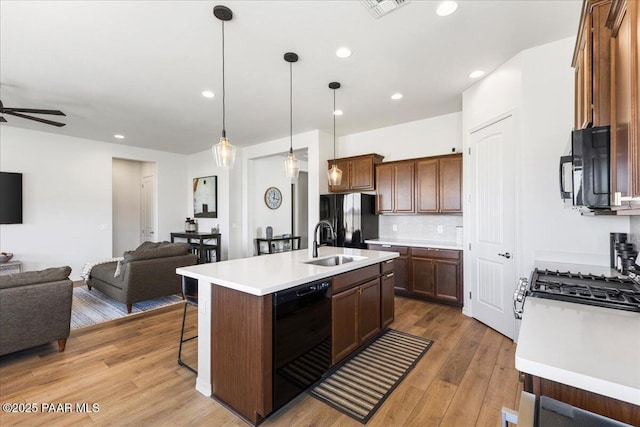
291, 106
224, 132
334, 127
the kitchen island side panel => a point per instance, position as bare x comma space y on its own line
241, 345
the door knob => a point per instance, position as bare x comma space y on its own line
506, 255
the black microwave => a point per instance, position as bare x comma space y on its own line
585, 176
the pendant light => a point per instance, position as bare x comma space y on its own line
334, 174
224, 153
291, 168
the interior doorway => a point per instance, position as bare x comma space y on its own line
133, 204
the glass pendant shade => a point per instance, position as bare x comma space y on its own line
291, 167
335, 176
224, 153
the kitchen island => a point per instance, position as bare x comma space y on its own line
235, 316
583, 355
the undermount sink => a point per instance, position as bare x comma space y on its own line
334, 260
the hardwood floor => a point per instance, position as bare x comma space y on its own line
129, 369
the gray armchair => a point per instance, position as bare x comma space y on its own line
146, 273
35, 308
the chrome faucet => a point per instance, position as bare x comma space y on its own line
321, 223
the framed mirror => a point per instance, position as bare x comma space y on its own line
205, 197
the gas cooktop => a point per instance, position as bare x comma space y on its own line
612, 292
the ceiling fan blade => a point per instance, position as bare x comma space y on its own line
2, 119
33, 111
37, 119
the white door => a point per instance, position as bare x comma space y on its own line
148, 209
492, 206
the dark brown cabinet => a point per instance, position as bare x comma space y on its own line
395, 191
428, 185
439, 184
387, 292
623, 21
437, 274
430, 273
358, 173
591, 61
356, 310
401, 273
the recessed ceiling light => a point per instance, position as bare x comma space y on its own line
343, 52
446, 8
208, 94
338, 113
396, 96
118, 136
476, 74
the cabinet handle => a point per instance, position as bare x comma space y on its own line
386, 246
434, 249
389, 261
389, 275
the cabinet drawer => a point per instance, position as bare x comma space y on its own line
435, 253
350, 279
402, 250
386, 266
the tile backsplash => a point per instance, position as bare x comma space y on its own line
635, 230
420, 227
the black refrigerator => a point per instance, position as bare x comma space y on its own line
353, 217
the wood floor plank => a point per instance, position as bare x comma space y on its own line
129, 367
467, 401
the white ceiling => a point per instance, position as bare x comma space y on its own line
138, 67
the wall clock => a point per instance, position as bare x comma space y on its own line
273, 198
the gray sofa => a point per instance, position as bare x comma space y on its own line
148, 272
35, 308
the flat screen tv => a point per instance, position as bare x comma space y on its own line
10, 198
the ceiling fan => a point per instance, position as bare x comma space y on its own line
18, 112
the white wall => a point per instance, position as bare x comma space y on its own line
253, 184
537, 86
67, 197
268, 172
421, 138
204, 164
126, 205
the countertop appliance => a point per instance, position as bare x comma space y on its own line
620, 293
587, 168
301, 339
353, 219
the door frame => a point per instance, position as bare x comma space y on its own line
469, 220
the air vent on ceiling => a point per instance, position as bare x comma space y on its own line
379, 8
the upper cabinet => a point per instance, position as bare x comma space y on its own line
358, 173
591, 60
395, 192
427, 185
439, 184
606, 88
623, 21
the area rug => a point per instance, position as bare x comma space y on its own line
358, 387
93, 307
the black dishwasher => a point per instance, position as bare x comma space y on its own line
301, 339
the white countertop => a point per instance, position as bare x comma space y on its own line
416, 243
265, 274
592, 348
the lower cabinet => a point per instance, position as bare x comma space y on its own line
387, 293
429, 273
361, 300
356, 318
